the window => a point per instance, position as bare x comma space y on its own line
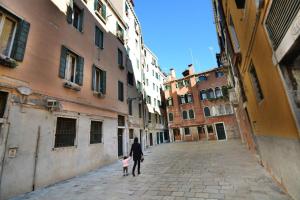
233, 35
219, 74
147, 82
184, 115
210, 128
130, 107
153, 86
139, 86
98, 37
148, 99
126, 9
210, 94
240, 4
130, 78
189, 98
221, 110
187, 131
186, 83
7, 34
203, 95
121, 120
218, 92
156, 75
96, 132
228, 109
131, 134
120, 91
256, 85
158, 103
191, 114
65, 132
154, 101
182, 99
171, 117
12, 40
100, 9
202, 78
206, 112
167, 87
75, 17
71, 66
99, 80
170, 102
120, 59
120, 33
156, 118
140, 110
152, 72
149, 117
3, 102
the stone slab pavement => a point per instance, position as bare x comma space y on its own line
177, 171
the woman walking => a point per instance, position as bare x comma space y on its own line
136, 150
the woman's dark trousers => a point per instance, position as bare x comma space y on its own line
138, 162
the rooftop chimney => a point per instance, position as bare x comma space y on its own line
172, 73
191, 69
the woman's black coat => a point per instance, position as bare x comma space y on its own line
136, 150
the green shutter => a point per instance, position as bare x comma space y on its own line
103, 11
20, 41
81, 20
63, 61
101, 39
97, 39
96, 5
69, 14
93, 77
79, 70
103, 82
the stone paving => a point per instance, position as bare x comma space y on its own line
178, 171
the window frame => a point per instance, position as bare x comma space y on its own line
2, 22
171, 119
67, 70
97, 142
55, 131
121, 95
210, 114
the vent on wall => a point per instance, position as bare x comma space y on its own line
280, 17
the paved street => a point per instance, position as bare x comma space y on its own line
214, 170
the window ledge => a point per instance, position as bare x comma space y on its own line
64, 148
71, 85
98, 94
7, 61
100, 16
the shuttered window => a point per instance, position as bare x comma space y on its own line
98, 80
120, 91
281, 15
13, 35
171, 117
99, 36
75, 17
100, 9
71, 66
120, 59
130, 78
256, 85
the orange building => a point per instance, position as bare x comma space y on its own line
198, 106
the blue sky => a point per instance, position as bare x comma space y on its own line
179, 32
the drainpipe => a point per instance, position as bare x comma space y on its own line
36, 155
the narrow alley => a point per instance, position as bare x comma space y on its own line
194, 170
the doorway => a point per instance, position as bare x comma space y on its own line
120, 142
220, 131
161, 137
201, 133
176, 133
157, 137
151, 139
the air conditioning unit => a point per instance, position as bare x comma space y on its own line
53, 104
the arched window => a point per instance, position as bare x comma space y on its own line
218, 92
210, 94
191, 114
207, 112
203, 95
184, 115
221, 110
214, 111
170, 101
170, 117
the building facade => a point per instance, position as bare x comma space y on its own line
70, 87
260, 40
153, 79
198, 107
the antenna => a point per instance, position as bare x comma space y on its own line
191, 52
